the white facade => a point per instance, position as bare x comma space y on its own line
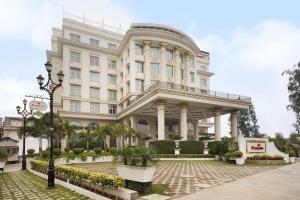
154, 77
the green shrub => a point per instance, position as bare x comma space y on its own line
98, 150
292, 153
30, 152
174, 136
78, 151
79, 174
186, 156
191, 147
3, 155
57, 152
233, 155
67, 149
163, 146
113, 150
45, 154
83, 157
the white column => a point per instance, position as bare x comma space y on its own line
183, 121
147, 66
161, 120
177, 66
196, 124
63, 143
133, 125
187, 69
163, 73
234, 124
218, 125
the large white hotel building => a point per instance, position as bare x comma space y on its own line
151, 77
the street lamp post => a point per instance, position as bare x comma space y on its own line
50, 88
24, 113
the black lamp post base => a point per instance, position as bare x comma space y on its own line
24, 164
51, 174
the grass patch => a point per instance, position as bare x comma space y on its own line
157, 189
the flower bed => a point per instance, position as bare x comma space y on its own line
265, 159
78, 175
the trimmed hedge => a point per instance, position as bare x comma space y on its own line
191, 147
79, 174
232, 155
163, 146
185, 156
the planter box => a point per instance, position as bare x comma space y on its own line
177, 151
240, 161
138, 174
292, 159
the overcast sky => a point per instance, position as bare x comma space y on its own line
250, 44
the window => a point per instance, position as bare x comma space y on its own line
154, 52
75, 73
203, 82
112, 64
139, 67
192, 75
169, 54
75, 90
112, 109
94, 76
94, 107
94, 93
94, 60
181, 58
169, 71
112, 79
181, 74
111, 46
154, 68
139, 85
94, 42
112, 95
74, 106
191, 61
75, 56
74, 37
138, 49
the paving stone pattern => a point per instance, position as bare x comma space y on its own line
24, 185
185, 177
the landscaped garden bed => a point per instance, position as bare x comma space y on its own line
265, 159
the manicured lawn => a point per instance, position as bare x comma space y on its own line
24, 185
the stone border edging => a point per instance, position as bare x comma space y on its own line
72, 187
187, 159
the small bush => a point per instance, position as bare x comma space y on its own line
233, 155
174, 136
98, 150
113, 150
57, 152
163, 146
45, 154
3, 155
191, 147
30, 152
78, 151
67, 150
83, 157
292, 153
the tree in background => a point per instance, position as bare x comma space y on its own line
88, 135
70, 132
280, 142
294, 93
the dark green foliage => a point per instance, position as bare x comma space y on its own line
163, 146
222, 147
78, 151
232, 155
191, 147
67, 150
30, 152
174, 136
280, 142
97, 150
112, 150
57, 152
45, 154
3, 155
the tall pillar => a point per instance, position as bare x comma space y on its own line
177, 66
133, 125
163, 73
234, 124
183, 120
218, 125
161, 120
187, 69
147, 70
196, 124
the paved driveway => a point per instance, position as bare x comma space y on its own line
185, 177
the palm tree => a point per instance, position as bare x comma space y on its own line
104, 131
88, 135
69, 131
120, 129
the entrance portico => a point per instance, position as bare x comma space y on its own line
163, 104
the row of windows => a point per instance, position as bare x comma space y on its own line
75, 106
94, 60
94, 42
75, 91
94, 76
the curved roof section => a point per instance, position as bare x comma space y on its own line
160, 31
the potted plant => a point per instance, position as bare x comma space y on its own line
138, 166
292, 156
3, 158
237, 156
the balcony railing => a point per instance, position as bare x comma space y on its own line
192, 90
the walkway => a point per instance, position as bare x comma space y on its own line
281, 183
24, 185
